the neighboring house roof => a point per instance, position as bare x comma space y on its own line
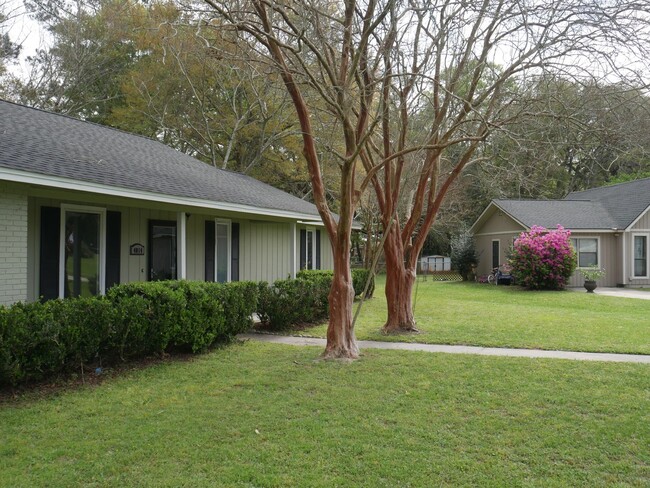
604, 208
624, 202
58, 146
550, 213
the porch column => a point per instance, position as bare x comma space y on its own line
292, 249
624, 257
181, 246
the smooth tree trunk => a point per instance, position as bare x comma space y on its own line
341, 341
400, 278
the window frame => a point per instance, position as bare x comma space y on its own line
228, 223
575, 247
647, 255
101, 211
313, 247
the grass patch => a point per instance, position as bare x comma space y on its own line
502, 316
264, 415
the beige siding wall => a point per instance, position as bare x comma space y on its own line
264, 250
500, 222
608, 259
327, 258
498, 227
13, 247
484, 248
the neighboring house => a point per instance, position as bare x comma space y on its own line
83, 207
610, 228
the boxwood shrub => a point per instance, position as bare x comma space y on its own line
359, 277
38, 340
290, 302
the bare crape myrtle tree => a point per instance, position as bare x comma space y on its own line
414, 90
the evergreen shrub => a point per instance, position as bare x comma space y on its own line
359, 277
42, 339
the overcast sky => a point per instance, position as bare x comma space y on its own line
22, 30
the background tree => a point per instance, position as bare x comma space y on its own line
9, 50
153, 69
463, 254
80, 73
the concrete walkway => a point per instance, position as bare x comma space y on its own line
482, 351
617, 292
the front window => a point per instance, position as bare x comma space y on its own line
222, 249
641, 256
309, 249
587, 251
81, 270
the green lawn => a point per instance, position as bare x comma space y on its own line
486, 315
263, 415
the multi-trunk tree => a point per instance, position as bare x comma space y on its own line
457, 72
328, 55
416, 89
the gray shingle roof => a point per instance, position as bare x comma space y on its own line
550, 213
623, 202
607, 207
50, 144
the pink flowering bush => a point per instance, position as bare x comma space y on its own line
543, 259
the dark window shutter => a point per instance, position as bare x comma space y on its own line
318, 249
49, 256
113, 244
303, 246
210, 243
234, 252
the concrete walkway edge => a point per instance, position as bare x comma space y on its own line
448, 349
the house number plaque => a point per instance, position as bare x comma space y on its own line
136, 250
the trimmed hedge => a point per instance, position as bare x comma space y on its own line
289, 302
38, 340
303, 300
359, 277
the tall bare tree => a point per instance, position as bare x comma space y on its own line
455, 74
329, 49
416, 88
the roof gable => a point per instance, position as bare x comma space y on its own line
55, 145
571, 214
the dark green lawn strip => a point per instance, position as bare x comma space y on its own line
261, 415
484, 315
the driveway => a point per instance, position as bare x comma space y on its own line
618, 292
